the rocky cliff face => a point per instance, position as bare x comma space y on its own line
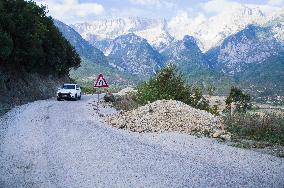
185, 51
253, 45
134, 54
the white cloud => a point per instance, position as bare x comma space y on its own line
71, 11
276, 2
184, 21
145, 2
154, 3
218, 6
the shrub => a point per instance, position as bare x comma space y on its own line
170, 84
125, 102
211, 90
87, 89
255, 126
241, 100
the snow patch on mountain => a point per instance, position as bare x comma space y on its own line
213, 31
209, 32
108, 29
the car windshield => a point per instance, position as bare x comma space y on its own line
68, 86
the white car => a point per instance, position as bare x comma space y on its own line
69, 91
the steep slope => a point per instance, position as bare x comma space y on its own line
184, 51
265, 79
93, 61
99, 32
135, 55
188, 58
158, 35
112, 28
254, 57
104, 45
211, 32
253, 45
35, 58
276, 23
85, 49
160, 32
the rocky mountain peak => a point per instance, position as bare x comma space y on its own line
134, 54
189, 41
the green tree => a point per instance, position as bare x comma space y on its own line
170, 84
241, 100
30, 42
6, 46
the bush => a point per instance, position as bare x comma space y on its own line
125, 102
169, 84
87, 89
109, 97
261, 127
241, 100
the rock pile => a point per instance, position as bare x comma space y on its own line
168, 115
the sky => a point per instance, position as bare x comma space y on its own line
75, 11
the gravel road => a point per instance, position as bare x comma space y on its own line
64, 144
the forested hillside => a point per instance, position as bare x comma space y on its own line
34, 55
31, 42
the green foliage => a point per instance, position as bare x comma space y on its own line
240, 99
260, 127
211, 90
87, 89
6, 46
169, 84
31, 42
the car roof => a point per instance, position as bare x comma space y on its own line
70, 84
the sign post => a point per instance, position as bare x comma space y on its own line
100, 83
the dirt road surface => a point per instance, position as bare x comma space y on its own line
65, 144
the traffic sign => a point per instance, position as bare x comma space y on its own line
101, 82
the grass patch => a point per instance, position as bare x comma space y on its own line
265, 127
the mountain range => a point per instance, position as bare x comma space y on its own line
221, 51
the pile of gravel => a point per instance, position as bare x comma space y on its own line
168, 115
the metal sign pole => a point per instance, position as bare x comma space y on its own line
100, 83
98, 101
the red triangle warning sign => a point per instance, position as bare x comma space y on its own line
101, 82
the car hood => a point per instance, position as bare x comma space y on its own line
66, 91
